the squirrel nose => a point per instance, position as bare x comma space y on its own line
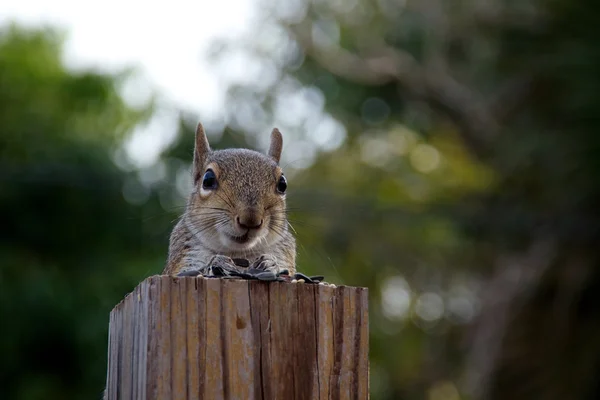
249, 222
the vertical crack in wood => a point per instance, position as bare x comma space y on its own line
184, 306
204, 338
338, 337
194, 339
171, 340
255, 319
256, 312
267, 331
262, 357
224, 347
119, 350
294, 312
143, 348
165, 347
305, 359
134, 323
152, 384
364, 338
357, 336
296, 356
138, 330
110, 380
196, 334
317, 342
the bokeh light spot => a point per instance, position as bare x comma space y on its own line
375, 151
402, 140
374, 111
395, 297
429, 306
444, 390
425, 158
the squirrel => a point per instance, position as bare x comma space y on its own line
236, 210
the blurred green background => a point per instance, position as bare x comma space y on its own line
454, 169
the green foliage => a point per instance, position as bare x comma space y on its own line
70, 246
442, 218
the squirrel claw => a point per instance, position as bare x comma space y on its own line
221, 265
189, 272
266, 263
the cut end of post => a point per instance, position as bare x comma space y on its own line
201, 338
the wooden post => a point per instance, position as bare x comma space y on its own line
196, 338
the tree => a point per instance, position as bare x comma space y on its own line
470, 160
71, 246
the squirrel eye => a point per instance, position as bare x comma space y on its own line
209, 180
282, 184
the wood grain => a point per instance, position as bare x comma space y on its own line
195, 338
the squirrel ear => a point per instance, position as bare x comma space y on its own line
201, 150
276, 145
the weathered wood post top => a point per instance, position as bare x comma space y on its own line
206, 338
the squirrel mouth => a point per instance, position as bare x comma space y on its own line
241, 239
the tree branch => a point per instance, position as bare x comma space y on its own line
434, 85
515, 281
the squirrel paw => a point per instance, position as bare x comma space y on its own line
218, 265
266, 262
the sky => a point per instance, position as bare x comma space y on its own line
164, 40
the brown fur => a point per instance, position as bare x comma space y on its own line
247, 182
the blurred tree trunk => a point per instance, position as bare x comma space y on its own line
537, 337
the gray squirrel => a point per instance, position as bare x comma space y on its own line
236, 210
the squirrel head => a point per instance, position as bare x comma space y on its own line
238, 200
